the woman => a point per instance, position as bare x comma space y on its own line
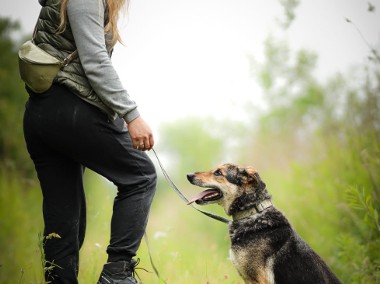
87, 119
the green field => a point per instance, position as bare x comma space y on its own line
186, 246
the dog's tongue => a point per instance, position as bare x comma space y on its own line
201, 195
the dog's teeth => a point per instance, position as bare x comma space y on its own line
212, 195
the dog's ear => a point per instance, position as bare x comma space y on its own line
250, 171
246, 175
252, 177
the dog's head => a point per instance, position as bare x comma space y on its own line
232, 187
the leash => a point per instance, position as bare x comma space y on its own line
183, 197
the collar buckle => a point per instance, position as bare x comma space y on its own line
258, 208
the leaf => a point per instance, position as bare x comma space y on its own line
53, 235
371, 7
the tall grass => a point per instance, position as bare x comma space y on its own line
20, 224
185, 246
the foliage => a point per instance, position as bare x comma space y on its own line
328, 139
206, 142
46, 266
289, 12
12, 100
20, 222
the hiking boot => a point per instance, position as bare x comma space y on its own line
120, 272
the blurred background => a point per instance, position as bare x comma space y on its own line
291, 87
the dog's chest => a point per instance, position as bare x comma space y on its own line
253, 269
249, 252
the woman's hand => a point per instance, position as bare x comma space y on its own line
141, 134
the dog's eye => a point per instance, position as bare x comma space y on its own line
218, 173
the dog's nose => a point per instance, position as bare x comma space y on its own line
190, 177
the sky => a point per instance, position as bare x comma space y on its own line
190, 58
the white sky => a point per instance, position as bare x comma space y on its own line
190, 57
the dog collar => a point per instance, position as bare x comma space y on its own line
252, 211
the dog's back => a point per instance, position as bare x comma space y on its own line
265, 249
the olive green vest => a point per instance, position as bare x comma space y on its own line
60, 45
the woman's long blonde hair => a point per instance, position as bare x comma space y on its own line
113, 9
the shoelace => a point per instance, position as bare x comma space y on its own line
133, 267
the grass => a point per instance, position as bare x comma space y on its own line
186, 246
20, 223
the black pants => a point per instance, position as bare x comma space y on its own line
65, 134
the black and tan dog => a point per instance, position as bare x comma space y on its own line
264, 247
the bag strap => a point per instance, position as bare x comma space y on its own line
68, 59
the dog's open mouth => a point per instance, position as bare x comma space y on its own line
209, 195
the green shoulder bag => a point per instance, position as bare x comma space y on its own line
38, 68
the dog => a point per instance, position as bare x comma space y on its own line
264, 247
